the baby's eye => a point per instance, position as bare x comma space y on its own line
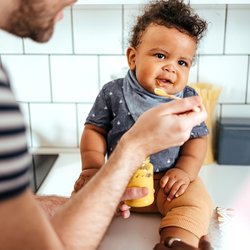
182, 63
160, 56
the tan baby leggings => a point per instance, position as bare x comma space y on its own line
191, 211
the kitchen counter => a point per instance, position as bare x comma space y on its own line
60, 181
224, 183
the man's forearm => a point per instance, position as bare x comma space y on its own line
104, 188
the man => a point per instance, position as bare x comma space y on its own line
82, 221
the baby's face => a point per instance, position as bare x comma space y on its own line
163, 59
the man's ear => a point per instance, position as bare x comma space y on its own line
131, 55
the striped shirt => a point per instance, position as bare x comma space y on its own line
15, 161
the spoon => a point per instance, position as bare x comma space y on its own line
163, 93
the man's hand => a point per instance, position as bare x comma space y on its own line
179, 245
130, 194
175, 121
174, 183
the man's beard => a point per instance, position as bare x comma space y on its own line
32, 22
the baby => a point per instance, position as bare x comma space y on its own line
162, 48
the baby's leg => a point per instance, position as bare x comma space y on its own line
186, 217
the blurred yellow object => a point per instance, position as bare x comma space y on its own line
209, 94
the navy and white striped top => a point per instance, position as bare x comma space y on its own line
15, 161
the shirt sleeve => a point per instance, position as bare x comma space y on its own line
15, 161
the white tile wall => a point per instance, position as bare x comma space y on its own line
30, 76
238, 32
53, 125
193, 74
248, 92
236, 111
10, 43
112, 67
130, 14
57, 82
229, 72
74, 78
98, 29
213, 42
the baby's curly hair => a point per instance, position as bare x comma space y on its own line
171, 14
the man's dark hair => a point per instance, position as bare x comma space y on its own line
171, 14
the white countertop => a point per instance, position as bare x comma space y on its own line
224, 183
220, 180
60, 181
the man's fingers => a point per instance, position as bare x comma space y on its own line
179, 106
184, 108
134, 193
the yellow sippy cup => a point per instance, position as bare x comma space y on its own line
143, 177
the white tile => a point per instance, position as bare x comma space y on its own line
229, 72
10, 43
248, 91
53, 125
74, 78
25, 111
193, 73
82, 113
236, 111
238, 32
29, 77
98, 30
130, 14
212, 42
61, 41
112, 67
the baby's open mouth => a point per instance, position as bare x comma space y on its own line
163, 82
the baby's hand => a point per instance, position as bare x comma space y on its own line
174, 183
84, 177
123, 210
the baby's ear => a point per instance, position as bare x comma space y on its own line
131, 56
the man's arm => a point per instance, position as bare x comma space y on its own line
82, 221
